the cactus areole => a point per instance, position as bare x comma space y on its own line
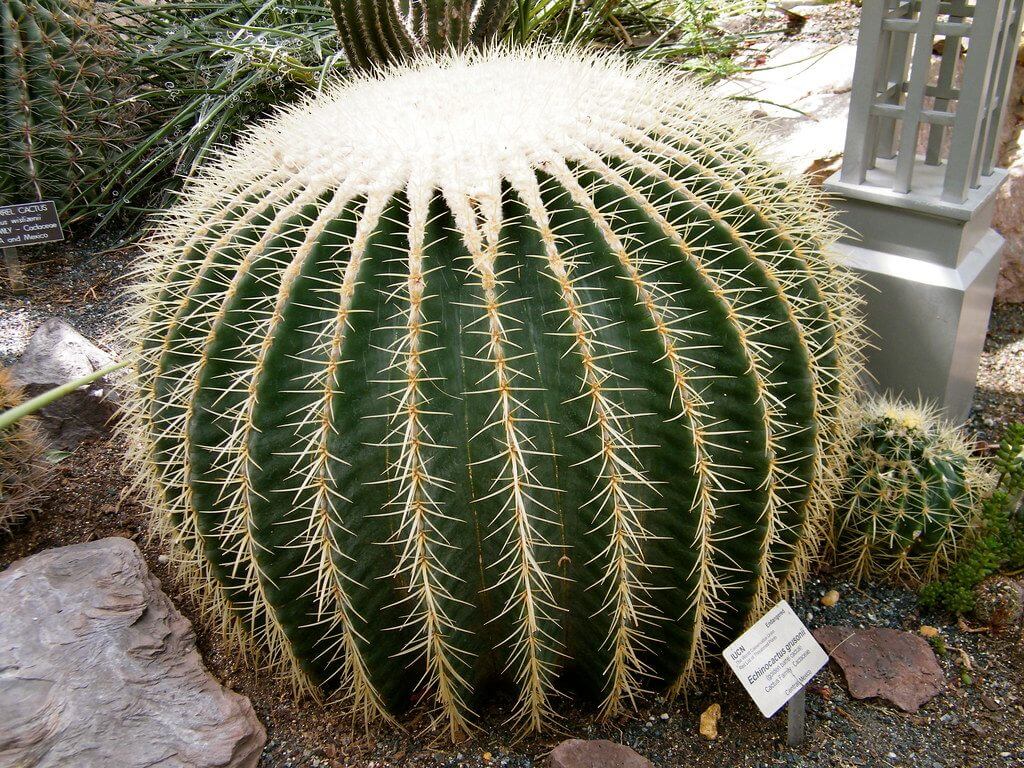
514, 366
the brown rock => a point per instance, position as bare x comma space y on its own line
709, 722
899, 667
1009, 221
598, 753
99, 669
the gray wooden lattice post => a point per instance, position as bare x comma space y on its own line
918, 184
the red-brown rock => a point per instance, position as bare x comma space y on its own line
899, 667
599, 753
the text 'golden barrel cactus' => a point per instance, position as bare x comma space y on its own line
495, 366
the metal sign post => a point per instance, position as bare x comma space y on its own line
15, 275
796, 718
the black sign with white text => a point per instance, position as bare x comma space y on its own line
29, 224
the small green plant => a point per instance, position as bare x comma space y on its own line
999, 545
22, 459
938, 644
910, 495
62, 81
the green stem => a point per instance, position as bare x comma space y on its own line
9, 417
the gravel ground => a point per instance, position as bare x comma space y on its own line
974, 723
1000, 396
80, 282
833, 24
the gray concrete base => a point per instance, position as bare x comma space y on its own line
928, 321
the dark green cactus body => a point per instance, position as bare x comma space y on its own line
61, 89
378, 33
570, 406
910, 495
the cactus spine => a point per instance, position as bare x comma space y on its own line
22, 465
535, 367
910, 495
61, 86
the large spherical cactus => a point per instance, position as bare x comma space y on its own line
910, 495
22, 465
61, 86
496, 366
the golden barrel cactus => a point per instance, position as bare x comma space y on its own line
495, 366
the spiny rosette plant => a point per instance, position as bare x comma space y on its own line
496, 366
911, 494
999, 602
62, 84
22, 460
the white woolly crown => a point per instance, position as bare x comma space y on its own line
464, 122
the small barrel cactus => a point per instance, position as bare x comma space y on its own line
61, 87
498, 365
910, 495
22, 466
999, 602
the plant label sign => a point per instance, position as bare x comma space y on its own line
29, 224
775, 658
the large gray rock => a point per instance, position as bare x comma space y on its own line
899, 667
57, 354
98, 669
597, 753
800, 94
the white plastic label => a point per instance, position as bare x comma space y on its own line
775, 658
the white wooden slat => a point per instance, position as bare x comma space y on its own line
964, 148
920, 71
866, 72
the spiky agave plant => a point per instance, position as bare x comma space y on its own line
61, 86
491, 366
910, 494
22, 465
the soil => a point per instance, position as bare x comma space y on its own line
975, 722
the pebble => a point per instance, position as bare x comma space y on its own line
709, 722
830, 598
